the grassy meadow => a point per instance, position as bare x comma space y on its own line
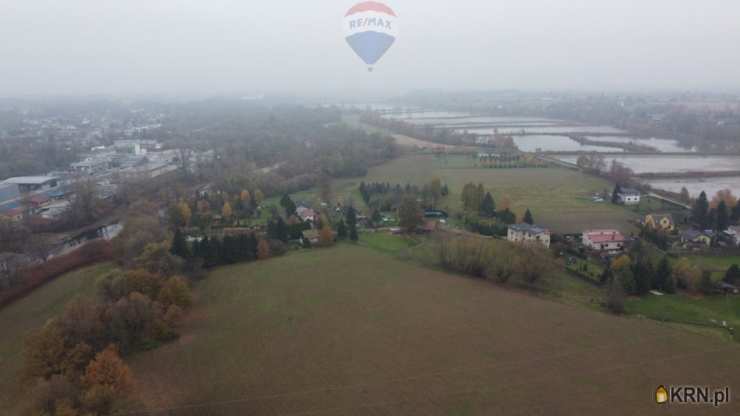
350, 330
559, 198
718, 265
684, 308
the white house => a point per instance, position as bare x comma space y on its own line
734, 233
629, 196
604, 240
525, 233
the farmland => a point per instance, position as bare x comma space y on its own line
559, 198
30, 313
350, 330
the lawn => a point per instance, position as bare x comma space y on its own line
388, 243
343, 191
559, 198
352, 331
715, 264
593, 269
30, 313
683, 308
650, 205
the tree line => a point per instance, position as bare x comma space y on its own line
495, 259
719, 214
635, 273
386, 197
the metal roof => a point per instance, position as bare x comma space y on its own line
532, 229
31, 180
8, 192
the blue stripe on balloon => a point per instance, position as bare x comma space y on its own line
370, 46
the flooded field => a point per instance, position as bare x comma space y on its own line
482, 121
661, 164
696, 186
426, 115
534, 133
548, 130
557, 144
663, 145
681, 164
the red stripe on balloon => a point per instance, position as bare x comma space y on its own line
370, 6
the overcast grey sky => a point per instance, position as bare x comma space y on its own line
241, 46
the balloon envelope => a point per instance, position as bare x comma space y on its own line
370, 29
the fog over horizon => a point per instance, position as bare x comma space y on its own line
187, 47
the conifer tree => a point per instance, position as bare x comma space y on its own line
662, 275
528, 217
341, 230
351, 217
723, 217
615, 194
488, 206
179, 245
735, 216
700, 211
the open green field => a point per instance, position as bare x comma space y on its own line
351, 331
31, 313
387, 243
716, 264
650, 205
559, 198
682, 308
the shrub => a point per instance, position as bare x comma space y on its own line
706, 285
263, 250
157, 258
465, 255
502, 266
615, 296
531, 263
175, 291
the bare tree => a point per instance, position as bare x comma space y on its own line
39, 247
13, 235
184, 154
85, 205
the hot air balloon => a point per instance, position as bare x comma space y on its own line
370, 29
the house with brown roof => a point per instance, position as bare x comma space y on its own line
604, 240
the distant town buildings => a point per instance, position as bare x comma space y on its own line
10, 200
28, 193
525, 233
127, 160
